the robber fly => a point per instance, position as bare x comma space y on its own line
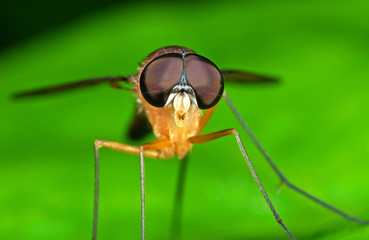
177, 92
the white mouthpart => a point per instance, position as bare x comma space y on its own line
177, 90
181, 103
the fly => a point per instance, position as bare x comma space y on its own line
173, 88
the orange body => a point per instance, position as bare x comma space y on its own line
163, 120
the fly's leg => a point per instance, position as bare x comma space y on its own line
215, 135
177, 209
149, 150
283, 178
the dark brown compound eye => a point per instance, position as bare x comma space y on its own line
159, 77
206, 80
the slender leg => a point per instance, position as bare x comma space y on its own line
147, 146
96, 194
142, 182
214, 135
281, 176
149, 150
177, 209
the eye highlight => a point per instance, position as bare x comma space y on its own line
206, 80
159, 77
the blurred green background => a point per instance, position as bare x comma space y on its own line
313, 124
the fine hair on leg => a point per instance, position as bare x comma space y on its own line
281, 176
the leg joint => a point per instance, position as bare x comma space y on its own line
234, 131
99, 143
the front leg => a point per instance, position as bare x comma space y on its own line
151, 149
219, 134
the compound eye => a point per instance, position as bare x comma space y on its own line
206, 80
159, 77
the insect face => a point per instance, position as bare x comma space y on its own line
181, 79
